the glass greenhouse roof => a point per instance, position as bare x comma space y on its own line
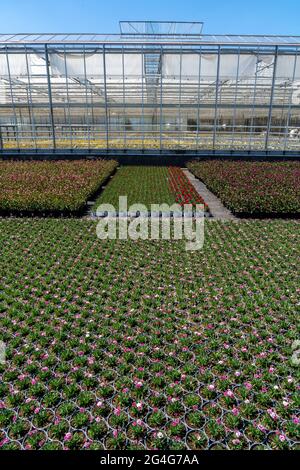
172, 37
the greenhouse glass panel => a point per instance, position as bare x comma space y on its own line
156, 86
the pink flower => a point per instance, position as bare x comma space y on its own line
261, 428
282, 437
4, 441
272, 414
68, 437
229, 393
117, 411
235, 411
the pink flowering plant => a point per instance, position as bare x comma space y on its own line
253, 188
45, 186
143, 345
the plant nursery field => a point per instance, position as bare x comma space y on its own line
142, 344
253, 188
150, 185
50, 186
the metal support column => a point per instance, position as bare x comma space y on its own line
271, 99
105, 96
68, 101
198, 98
12, 100
179, 97
286, 130
254, 100
216, 98
161, 99
50, 97
29, 99
124, 100
87, 124
143, 99
233, 132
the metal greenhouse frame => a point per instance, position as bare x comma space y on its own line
158, 87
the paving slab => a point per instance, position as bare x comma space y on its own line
216, 207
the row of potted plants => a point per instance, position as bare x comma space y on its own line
255, 188
50, 185
139, 344
150, 185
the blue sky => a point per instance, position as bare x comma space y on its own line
227, 16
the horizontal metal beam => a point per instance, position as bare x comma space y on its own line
242, 154
173, 105
179, 39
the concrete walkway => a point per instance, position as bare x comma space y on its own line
217, 209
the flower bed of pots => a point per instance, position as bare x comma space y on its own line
150, 185
196, 356
50, 186
253, 188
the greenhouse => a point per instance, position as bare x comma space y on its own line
154, 86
